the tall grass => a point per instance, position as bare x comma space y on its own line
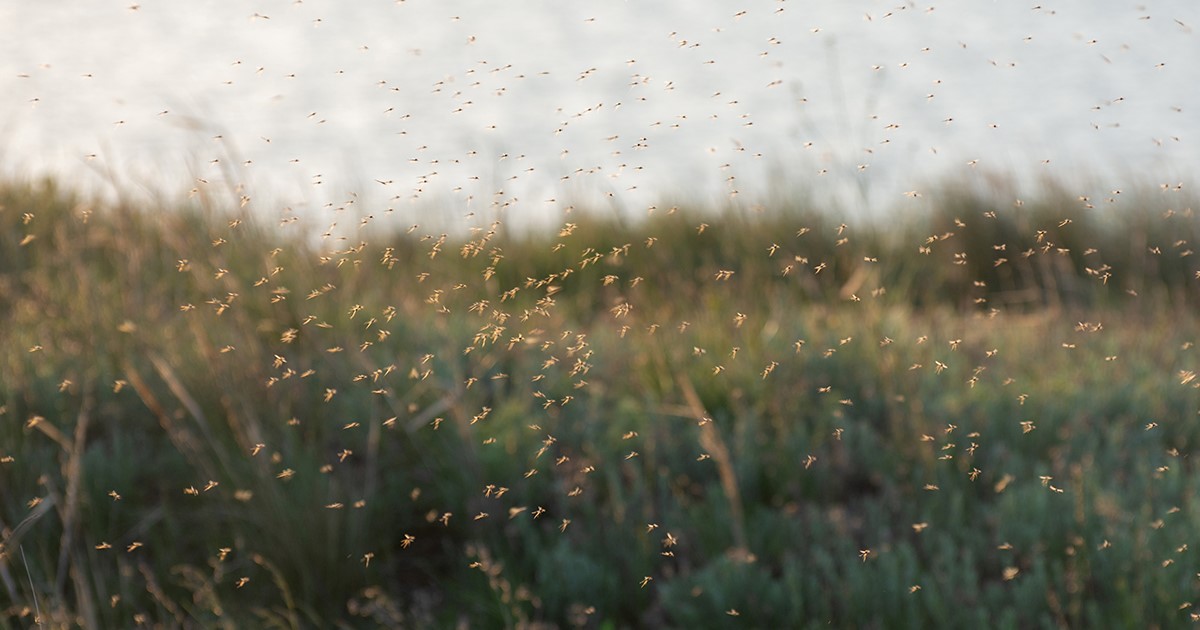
982, 415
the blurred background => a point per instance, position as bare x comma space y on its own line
622, 103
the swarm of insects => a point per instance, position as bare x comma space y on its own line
404, 315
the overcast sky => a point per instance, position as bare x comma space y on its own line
537, 104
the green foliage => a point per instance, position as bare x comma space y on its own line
983, 416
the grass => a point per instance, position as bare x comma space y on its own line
982, 414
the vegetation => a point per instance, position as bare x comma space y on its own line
980, 414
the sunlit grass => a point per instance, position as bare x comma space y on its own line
979, 416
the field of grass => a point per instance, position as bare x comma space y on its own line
979, 415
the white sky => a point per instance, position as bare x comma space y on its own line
391, 102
